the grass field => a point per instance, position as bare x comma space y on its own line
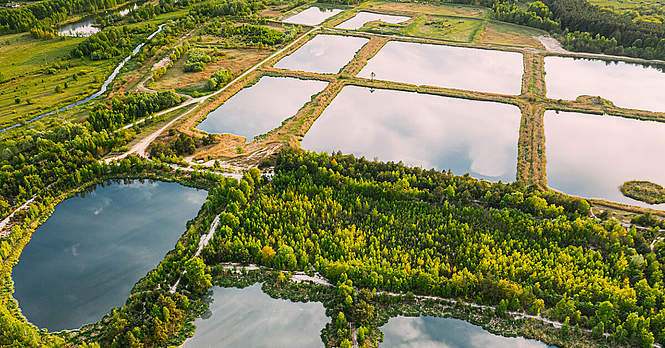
455, 29
509, 34
32, 71
432, 9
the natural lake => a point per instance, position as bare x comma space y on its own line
423, 130
627, 85
324, 54
262, 107
359, 20
250, 318
87, 256
312, 16
591, 155
434, 332
447, 66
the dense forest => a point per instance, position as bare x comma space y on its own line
388, 227
48, 12
584, 27
120, 111
608, 32
250, 33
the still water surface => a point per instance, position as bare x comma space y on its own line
434, 332
324, 54
627, 85
447, 66
591, 155
262, 107
312, 16
250, 318
82, 28
429, 131
359, 20
86, 257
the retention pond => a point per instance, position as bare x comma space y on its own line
591, 155
262, 107
447, 66
312, 16
429, 131
627, 85
324, 54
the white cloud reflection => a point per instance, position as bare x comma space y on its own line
421, 130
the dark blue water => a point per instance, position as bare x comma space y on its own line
86, 257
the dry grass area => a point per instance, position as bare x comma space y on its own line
369, 50
533, 78
431, 9
531, 146
237, 60
510, 35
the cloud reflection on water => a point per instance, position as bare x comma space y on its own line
591, 156
421, 130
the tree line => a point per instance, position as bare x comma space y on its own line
48, 12
121, 111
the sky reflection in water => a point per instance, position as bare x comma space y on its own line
87, 256
359, 20
628, 85
591, 155
262, 107
250, 318
446, 66
312, 16
324, 54
421, 130
434, 332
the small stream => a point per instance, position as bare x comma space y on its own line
101, 91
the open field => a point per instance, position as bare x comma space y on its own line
432, 9
509, 34
454, 29
32, 71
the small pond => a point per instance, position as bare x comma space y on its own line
435, 332
591, 155
262, 107
429, 131
447, 66
83, 28
313, 15
88, 25
627, 85
359, 20
324, 54
86, 257
250, 318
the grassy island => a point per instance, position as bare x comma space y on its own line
644, 191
